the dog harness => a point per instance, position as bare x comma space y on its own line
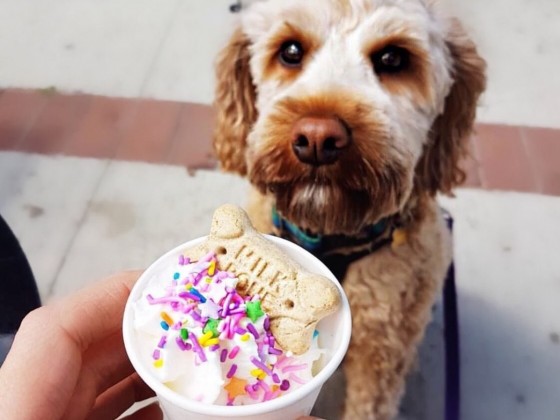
337, 252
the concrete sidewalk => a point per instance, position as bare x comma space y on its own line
166, 50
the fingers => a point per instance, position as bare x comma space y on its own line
120, 397
46, 356
151, 412
97, 311
43, 362
104, 365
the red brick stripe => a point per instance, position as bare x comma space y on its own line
44, 121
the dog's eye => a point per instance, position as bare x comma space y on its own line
291, 54
390, 59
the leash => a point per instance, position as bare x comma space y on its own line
451, 338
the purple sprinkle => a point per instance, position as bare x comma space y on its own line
214, 347
188, 295
197, 348
181, 260
156, 354
234, 352
181, 343
223, 355
272, 350
187, 309
240, 330
162, 300
261, 365
253, 330
255, 387
236, 311
196, 315
293, 368
225, 306
266, 323
162, 341
249, 390
285, 385
271, 341
264, 386
231, 371
199, 277
276, 378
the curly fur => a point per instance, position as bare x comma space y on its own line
409, 133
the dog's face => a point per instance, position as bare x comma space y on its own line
344, 95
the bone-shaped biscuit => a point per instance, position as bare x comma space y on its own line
294, 299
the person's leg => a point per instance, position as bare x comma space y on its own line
18, 290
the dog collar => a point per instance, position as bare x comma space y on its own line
337, 251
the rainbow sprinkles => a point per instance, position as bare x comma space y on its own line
212, 344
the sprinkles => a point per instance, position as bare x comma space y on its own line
201, 312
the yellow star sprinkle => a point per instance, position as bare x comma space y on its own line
158, 363
236, 387
245, 337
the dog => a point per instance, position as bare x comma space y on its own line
348, 117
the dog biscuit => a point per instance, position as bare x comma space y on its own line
294, 299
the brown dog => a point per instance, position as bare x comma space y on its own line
348, 117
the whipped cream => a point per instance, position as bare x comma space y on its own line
205, 341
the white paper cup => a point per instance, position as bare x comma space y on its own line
334, 336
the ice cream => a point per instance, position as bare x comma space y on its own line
201, 338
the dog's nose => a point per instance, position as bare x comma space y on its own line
319, 141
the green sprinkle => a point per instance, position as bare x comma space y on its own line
184, 334
212, 325
176, 276
254, 310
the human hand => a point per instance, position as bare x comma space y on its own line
68, 360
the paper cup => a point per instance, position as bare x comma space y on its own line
334, 337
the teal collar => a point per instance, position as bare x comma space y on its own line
327, 243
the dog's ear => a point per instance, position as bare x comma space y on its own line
438, 169
234, 103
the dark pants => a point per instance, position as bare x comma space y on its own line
18, 291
